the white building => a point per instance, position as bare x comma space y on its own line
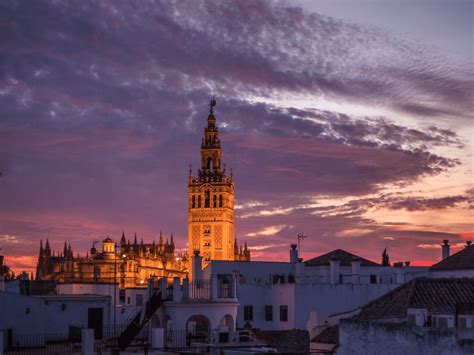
424, 316
54, 315
301, 295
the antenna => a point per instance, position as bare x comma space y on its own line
301, 236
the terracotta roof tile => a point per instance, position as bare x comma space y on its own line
462, 260
294, 341
436, 295
330, 335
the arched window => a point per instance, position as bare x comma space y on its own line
209, 163
220, 200
215, 200
207, 199
199, 201
194, 202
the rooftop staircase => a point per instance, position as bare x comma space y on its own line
140, 318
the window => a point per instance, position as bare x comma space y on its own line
291, 279
96, 273
199, 201
122, 296
220, 200
215, 200
442, 322
207, 199
194, 202
373, 279
269, 313
411, 319
278, 279
283, 313
128, 300
462, 323
248, 312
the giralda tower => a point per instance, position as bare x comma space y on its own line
211, 200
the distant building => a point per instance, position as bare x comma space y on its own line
423, 316
127, 264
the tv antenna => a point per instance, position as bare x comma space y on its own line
301, 236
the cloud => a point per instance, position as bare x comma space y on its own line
103, 106
425, 204
272, 230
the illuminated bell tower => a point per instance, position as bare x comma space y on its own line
211, 200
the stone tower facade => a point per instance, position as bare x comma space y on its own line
211, 202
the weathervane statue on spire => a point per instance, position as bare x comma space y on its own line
212, 104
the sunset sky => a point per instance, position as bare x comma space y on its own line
349, 121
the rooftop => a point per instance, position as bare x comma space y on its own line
343, 256
437, 295
330, 335
461, 260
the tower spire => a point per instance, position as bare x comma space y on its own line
211, 192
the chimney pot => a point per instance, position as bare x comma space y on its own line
445, 249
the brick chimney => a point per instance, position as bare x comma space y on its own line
445, 249
293, 254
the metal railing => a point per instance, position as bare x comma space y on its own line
199, 290
52, 343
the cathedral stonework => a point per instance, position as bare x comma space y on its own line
125, 263
211, 202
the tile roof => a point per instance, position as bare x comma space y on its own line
463, 259
330, 335
437, 295
290, 341
344, 256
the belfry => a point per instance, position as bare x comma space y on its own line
211, 202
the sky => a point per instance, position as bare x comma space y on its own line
348, 121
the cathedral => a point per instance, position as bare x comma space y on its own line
210, 233
128, 264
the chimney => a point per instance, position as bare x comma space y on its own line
335, 265
196, 272
445, 249
293, 254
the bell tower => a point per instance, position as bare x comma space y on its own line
211, 200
